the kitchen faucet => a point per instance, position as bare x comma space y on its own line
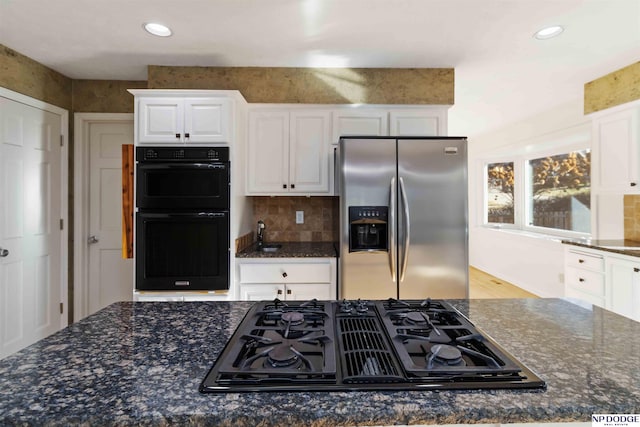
260, 233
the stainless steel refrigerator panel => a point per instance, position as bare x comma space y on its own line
367, 168
433, 254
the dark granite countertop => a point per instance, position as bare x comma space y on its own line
620, 246
292, 250
142, 363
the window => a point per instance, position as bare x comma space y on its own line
558, 191
544, 186
500, 200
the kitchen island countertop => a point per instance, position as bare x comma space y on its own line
142, 363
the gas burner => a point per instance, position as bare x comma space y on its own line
292, 318
416, 318
282, 356
443, 354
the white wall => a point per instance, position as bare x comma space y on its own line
533, 263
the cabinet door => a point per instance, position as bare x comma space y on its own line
309, 291
261, 291
368, 123
309, 152
160, 120
268, 153
615, 152
431, 122
207, 120
623, 281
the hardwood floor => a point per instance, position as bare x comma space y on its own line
483, 285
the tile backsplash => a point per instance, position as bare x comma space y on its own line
632, 217
321, 218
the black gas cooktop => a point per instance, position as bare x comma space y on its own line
362, 345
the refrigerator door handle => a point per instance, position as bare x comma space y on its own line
407, 230
391, 229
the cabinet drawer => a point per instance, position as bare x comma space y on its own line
285, 273
584, 260
586, 281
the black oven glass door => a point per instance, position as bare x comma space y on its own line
182, 251
183, 185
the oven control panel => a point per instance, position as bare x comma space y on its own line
173, 154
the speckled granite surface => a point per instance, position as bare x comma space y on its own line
292, 250
623, 247
141, 364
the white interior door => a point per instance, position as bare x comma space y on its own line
31, 191
110, 276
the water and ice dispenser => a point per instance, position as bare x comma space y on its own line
368, 228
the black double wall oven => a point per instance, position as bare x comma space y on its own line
182, 218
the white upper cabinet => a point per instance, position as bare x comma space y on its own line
207, 119
178, 120
309, 152
359, 122
427, 122
291, 147
615, 151
376, 121
289, 153
268, 153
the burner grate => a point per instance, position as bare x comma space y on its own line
365, 352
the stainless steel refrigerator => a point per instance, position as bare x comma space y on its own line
403, 217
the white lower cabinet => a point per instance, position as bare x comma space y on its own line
585, 276
287, 278
605, 279
624, 293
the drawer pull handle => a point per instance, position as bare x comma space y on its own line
636, 269
279, 291
284, 185
177, 135
581, 279
186, 135
284, 274
580, 261
633, 184
288, 291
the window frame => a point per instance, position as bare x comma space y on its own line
485, 193
573, 139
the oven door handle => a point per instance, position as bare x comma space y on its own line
196, 215
183, 165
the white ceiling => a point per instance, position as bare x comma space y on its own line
502, 73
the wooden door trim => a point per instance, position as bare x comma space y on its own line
82, 121
64, 190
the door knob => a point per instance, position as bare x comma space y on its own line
92, 239
4, 253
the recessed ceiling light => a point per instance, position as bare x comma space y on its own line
157, 29
548, 32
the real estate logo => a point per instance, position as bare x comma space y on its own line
615, 420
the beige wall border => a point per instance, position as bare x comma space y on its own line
104, 96
315, 85
618, 87
28, 77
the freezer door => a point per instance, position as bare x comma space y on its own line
367, 169
432, 218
